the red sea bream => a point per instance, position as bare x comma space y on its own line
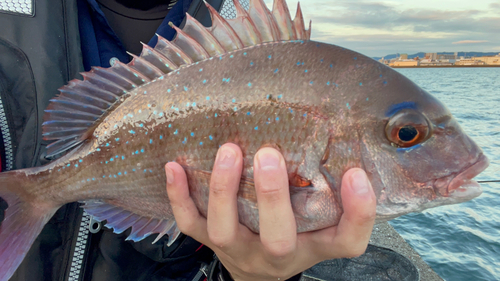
255, 81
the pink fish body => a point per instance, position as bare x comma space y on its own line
326, 108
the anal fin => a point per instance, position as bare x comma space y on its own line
120, 220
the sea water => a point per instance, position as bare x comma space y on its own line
462, 242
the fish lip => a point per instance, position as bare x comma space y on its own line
464, 178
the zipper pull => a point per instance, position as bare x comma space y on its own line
94, 225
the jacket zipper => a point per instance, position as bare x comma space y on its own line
7, 142
80, 247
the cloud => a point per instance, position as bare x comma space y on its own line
370, 26
495, 6
470, 42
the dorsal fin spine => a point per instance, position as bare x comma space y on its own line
219, 23
172, 48
103, 89
114, 77
283, 20
198, 32
170, 65
145, 67
190, 46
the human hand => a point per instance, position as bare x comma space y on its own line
278, 251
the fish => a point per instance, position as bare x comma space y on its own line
256, 81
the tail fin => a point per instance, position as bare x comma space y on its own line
23, 221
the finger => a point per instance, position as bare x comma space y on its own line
356, 224
222, 216
189, 221
278, 231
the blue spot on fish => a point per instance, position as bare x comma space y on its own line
161, 137
208, 98
210, 137
397, 107
361, 84
76, 165
234, 100
367, 98
192, 134
251, 63
277, 119
276, 70
256, 128
142, 150
111, 159
201, 143
117, 139
107, 144
168, 91
249, 84
204, 81
176, 131
123, 157
355, 58
249, 113
201, 69
280, 96
145, 92
385, 82
185, 88
150, 141
310, 83
131, 131
215, 114
80, 160
269, 56
331, 65
245, 53
119, 173
305, 71
231, 56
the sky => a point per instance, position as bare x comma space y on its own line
378, 28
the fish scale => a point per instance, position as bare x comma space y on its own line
325, 108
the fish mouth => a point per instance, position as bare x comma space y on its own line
462, 184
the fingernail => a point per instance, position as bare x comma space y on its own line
170, 175
360, 183
225, 157
269, 159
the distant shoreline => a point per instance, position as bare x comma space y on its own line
443, 66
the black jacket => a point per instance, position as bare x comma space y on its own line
40, 52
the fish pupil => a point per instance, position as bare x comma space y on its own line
407, 133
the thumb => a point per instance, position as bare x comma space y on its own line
359, 203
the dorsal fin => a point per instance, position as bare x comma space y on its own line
73, 115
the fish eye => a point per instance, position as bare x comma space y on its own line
407, 128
